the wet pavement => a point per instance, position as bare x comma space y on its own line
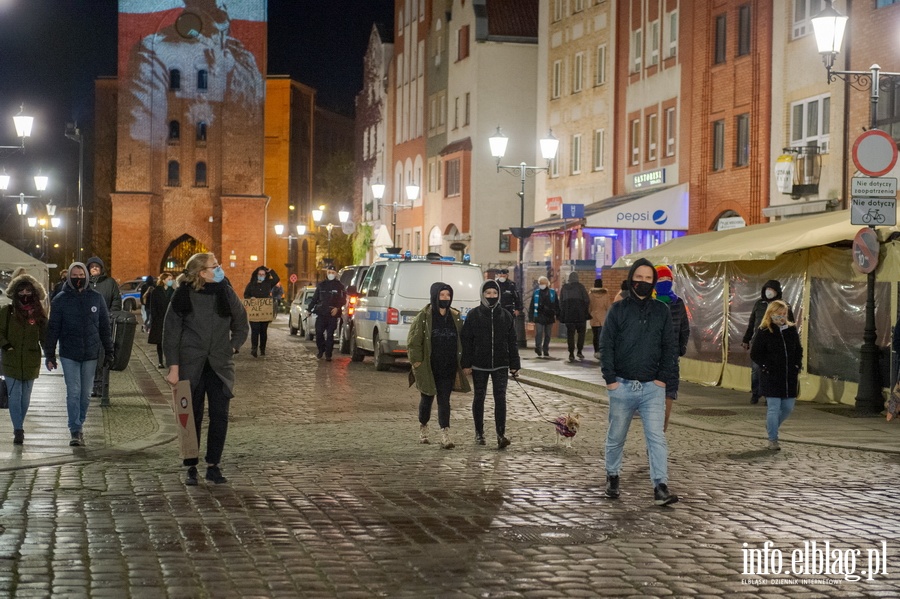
330, 495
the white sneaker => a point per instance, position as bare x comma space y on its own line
423, 434
446, 442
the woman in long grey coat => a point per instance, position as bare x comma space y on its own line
205, 326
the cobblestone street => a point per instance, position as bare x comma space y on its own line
330, 494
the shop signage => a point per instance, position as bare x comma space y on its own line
730, 222
554, 204
784, 173
573, 211
650, 178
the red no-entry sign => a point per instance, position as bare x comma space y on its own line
874, 153
293, 278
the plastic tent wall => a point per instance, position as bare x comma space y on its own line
11, 260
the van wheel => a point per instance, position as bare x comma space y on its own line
346, 332
382, 361
356, 354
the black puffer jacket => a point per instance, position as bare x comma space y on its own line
489, 337
264, 288
574, 303
760, 307
638, 341
779, 355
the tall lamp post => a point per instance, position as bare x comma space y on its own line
301, 231
40, 183
74, 133
318, 215
412, 194
43, 225
829, 26
549, 146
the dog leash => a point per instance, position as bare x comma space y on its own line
555, 423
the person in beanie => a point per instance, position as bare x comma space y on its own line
434, 349
574, 312
769, 293
680, 323
638, 355
599, 306
262, 282
510, 298
23, 325
205, 326
490, 351
79, 322
543, 310
158, 300
327, 303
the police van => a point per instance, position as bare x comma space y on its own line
395, 289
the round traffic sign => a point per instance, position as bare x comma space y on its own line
293, 278
874, 153
865, 251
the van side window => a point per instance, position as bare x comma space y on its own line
374, 286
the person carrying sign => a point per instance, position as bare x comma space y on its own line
261, 284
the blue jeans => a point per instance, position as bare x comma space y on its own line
79, 378
649, 400
777, 411
19, 400
542, 337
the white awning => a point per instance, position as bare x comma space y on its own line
665, 210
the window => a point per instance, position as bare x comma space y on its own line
811, 122
743, 140
670, 132
888, 115
652, 136
654, 43
721, 24
432, 113
804, 10
468, 105
673, 34
438, 48
200, 175
637, 51
554, 167
718, 146
577, 5
373, 281
599, 142
462, 42
744, 30
600, 71
636, 141
452, 178
174, 131
174, 79
417, 247
883, 3
505, 242
202, 79
557, 10
557, 79
201, 131
174, 174
576, 154
578, 73
456, 112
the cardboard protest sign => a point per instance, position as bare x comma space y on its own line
260, 309
183, 406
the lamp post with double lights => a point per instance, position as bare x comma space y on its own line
412, 194
318, 214
549, 145
829, 26
301, 231
42, 225
40, 183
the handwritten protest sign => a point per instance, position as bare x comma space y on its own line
260, 309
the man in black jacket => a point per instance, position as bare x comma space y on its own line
489, 350
638, 354
107, 287
327, 303
770, 292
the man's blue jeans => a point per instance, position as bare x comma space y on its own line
542, 337
19, 400
79, 378
649, 400
777, 411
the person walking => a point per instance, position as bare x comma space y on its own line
79, 322
769, 293
574, 312
261, 284
434, 349
510, 298
23, 326
144, 291
205, 325
327, 303
599, 306
63, 277
490, 351
680, 323
158, 300
543, 310
107, 287
776, 348
638, 354
278, 298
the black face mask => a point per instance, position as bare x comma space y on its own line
78, 283
642, 288
443, 304
492, 301
26, 299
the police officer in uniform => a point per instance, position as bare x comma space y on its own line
327, 303
510, 298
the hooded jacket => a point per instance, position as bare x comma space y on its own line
105, 285
760, 307
574, 303
21, 340
262, 289
638, 341
79, 322
418, 345
489, 336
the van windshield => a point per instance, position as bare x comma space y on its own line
415, 280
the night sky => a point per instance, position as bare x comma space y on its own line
52, 50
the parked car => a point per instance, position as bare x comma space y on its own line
393, 291
354, 276
131, 294
299, 318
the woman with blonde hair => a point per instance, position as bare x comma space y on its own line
776, 348
205, 326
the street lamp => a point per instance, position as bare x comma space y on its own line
301, 231
74, 133
549, 146
829, 26
40, 183
318, 214
412, 194
42, 225
23, 125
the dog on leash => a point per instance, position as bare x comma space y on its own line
567, 428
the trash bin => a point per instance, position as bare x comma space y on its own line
123, 326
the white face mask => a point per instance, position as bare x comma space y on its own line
542, 287
331, 277
770, 294
501, 279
